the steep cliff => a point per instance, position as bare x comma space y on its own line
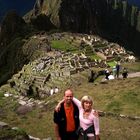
114, 19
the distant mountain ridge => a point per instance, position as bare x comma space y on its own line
21, 6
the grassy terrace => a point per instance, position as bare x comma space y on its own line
63, 46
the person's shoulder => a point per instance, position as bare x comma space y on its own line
74, 104
95, 113
61, 107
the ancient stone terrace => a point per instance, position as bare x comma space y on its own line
39, 76
56, 68
104, 49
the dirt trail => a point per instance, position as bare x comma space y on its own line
130, 75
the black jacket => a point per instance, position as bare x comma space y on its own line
60, 119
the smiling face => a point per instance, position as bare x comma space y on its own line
87, 105
68, 96
86, 102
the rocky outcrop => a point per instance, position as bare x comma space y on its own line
14, 133
49, 8
38, 7
8, 133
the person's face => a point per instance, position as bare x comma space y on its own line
68, 96
87, 106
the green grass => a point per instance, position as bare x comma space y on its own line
119, 129
111, 63
132, 67
114, 106
63, 46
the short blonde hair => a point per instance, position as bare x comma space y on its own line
86, 98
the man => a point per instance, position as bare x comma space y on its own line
67, 118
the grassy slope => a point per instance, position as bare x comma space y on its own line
118, 96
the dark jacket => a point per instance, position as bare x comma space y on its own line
90, 129
60, 119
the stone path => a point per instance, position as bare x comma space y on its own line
130, 75
136, 74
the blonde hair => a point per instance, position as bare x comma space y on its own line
86, 98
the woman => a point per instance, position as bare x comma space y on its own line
89, 120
